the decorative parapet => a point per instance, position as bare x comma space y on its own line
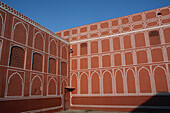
30, 21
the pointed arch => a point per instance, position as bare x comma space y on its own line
160, 79
64, 52
52, 86
36, 85
2, 18
15, 85
107, 82
74, 82
95, 83
130, 77
39, 41
84, 83
119, 81
53, 47
144, 80
20, 33
1, 24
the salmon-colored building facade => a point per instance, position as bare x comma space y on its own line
33, 65
121, 64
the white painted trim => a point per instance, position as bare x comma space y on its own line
23, 24
3, 23
8, 77
18, 43
48, 82
34, 38
56, 44
1, 45
32, 80
31, 70
119, 34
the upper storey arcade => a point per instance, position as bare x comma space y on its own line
118, 26
12, 12
26, 45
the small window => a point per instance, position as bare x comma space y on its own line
17, 57
154, 37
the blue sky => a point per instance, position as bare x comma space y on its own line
57, 15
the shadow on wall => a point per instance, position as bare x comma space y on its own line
159, 103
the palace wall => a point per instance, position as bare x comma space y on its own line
121, 64
33, 65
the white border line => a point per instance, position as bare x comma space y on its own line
119, 34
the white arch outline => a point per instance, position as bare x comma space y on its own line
39, 32
145, 69
122, 75
2, 18
62, 49
48, 82
3, 23
158, 66
149, 77
120, 71
56, 44
71, 78
134, 79
105, 72
40, 86
8, 81
102, 88
25, 30
131, 70
166, 75
99, 81
87, 80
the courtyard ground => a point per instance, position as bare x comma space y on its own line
90, 111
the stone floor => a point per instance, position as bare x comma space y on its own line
89, 111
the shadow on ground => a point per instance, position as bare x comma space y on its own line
159, 103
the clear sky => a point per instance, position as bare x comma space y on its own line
57, 15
